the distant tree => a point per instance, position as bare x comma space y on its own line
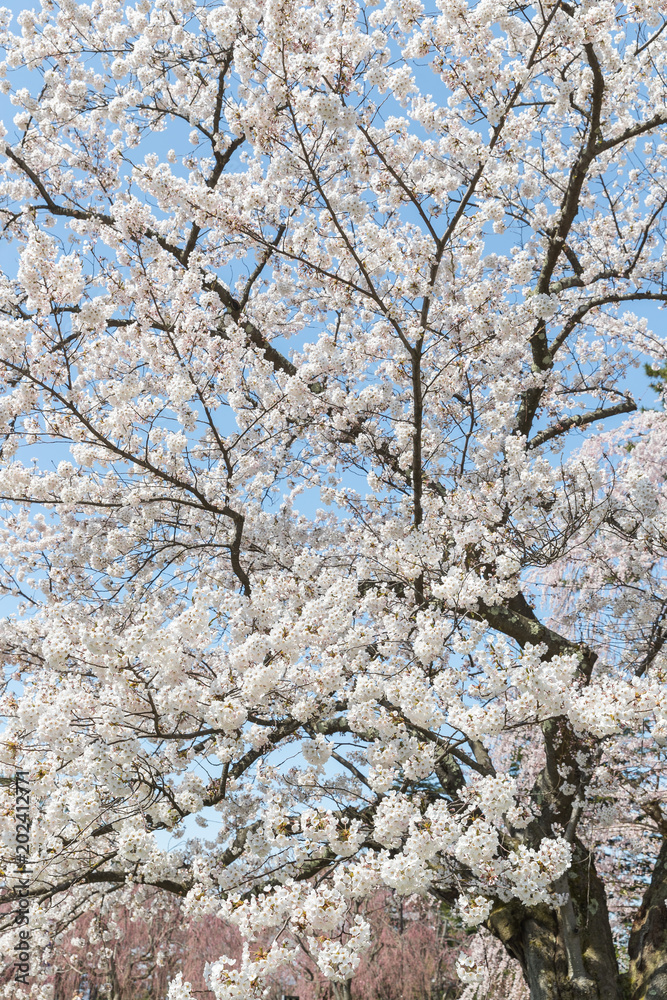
129, 947
411, 956
137, 941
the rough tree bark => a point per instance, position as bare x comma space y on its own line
647, 949
343, 991
565, 954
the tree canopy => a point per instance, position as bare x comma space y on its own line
330, 521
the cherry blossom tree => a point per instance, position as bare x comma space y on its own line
331, 523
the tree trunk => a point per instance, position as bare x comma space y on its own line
647, 949
116, 989
343, 991
566, 953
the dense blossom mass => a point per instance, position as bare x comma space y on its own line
330, 523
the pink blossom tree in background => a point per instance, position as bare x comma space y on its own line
136, 941
333, 537
129, 947
411, 956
